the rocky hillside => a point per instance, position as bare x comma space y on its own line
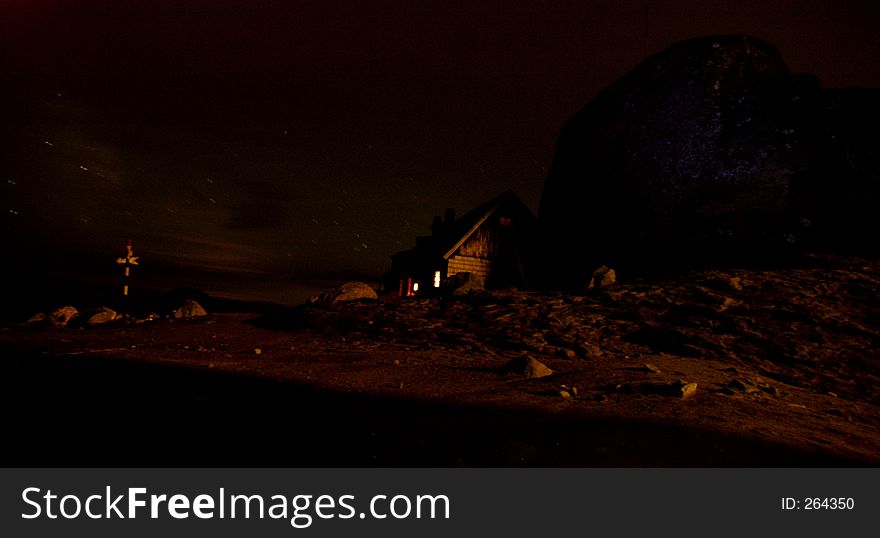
784, 356
812, 328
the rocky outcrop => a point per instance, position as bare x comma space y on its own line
707, 150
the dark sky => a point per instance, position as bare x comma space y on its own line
295, 138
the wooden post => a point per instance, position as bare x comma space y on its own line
129, 260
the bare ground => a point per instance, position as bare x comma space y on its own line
785, 363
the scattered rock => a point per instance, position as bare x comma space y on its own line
37, 319
464, 283
681, 389
591, 350
527, 367
102, 315
570, 390
189, 309
752, 385
62, 316
688, 390
651, 368
725, 282
566, 353
602, 278
350, 291
152, 316
742, 386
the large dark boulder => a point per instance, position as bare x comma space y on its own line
707, 151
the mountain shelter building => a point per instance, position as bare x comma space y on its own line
487, 242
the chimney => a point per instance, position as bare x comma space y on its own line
448, 216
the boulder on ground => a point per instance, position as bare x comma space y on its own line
37, 319
350, 291
688, 390
173, 299
189, 309
60, 317
528, 367
602, 278
101, 315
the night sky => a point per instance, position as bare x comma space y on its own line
280, 140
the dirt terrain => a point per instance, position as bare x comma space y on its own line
785, 362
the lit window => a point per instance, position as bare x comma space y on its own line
415, 286
436, 279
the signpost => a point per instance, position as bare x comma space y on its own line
127, 262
